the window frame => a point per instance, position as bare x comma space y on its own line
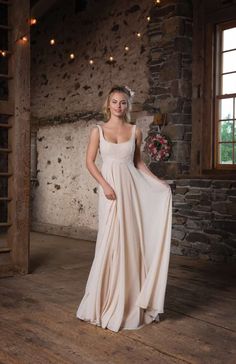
219, 28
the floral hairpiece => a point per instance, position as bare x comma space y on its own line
132, 93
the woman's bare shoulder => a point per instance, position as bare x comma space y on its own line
138, 131
94, 132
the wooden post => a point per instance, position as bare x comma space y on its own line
19, 96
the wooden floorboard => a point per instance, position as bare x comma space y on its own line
38, 322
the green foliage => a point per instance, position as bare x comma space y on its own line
226, 135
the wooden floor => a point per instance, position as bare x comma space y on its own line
38, 323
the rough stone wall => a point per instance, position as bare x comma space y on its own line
66, 197
204, 218
170, 34
63, 86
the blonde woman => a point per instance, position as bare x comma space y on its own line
127, 280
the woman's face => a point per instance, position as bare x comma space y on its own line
118, 104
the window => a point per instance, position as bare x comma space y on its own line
225, 97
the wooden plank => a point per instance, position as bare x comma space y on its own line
197, 327
4, 250
19, 91
5, 150
7, 126
5, 174
5, 27
5, 224
6, 107
5, 76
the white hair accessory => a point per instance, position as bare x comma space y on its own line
132, 93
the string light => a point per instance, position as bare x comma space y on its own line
3, 53
33, 21
24, 39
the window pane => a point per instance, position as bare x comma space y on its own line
229, 84
235, 131
226, 153
226, 131
226, 109
229, 61
229, 39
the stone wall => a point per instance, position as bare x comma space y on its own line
204, 218
61, 86
170, 35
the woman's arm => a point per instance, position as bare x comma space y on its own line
138, 162
91, 155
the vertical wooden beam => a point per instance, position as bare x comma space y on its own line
19, 95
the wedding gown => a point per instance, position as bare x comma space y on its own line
127, 280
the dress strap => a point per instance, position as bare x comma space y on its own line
100, 132
133, 131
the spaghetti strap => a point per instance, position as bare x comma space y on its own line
133, 131
100, 132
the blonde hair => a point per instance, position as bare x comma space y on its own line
106, 109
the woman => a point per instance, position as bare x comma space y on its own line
127, 281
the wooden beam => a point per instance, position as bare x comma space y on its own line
19, 139
5, 174
6, 108
4, 250
5, 150
8, 77
8, 126
5, 27
5, 224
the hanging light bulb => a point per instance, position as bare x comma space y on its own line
148, 18
126, 48
111, 59
138, 35
72, 56
24, 39
91, 61
52, 41
158, 2
33, 21
3, 53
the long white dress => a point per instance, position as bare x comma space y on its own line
127, 282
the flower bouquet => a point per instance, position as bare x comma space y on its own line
158, 146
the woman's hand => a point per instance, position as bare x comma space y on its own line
109, 192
